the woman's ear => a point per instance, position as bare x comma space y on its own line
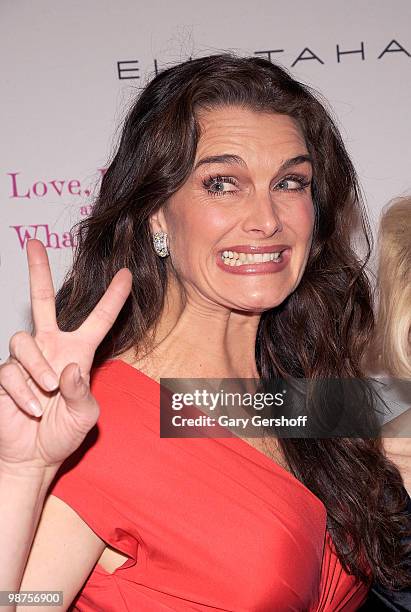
157, 222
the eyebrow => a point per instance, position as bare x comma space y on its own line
229, 158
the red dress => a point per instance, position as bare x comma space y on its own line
207, 523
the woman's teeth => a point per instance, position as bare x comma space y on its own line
232, 258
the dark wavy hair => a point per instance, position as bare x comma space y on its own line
320, 330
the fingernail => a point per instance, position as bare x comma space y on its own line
50, 381
35, 407
77, 375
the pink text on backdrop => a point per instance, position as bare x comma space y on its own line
54, 187
51, 240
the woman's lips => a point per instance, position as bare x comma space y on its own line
266, 267
249, 248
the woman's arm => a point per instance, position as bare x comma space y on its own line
22, 495
64, 549
63, 554
46, 411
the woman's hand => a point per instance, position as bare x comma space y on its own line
41, 375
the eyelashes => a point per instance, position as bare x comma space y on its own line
212, 181
214, 184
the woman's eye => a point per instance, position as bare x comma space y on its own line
219, 185
293, 184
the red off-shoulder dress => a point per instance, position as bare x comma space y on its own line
207, 523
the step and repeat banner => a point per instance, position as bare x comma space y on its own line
70, 70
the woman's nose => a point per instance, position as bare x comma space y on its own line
262, 217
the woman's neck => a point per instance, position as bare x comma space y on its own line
195, 338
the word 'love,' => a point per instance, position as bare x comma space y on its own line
42, 188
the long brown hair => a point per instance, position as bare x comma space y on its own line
320, 330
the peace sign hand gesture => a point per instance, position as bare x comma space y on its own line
41, 375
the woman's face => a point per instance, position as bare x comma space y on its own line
247, 199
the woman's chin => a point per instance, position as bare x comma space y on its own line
256, 306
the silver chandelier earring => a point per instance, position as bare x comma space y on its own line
160, 242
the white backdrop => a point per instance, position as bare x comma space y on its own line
64, 91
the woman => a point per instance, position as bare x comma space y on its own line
220, 158
390, 349
389, 352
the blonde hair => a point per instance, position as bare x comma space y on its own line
393, 320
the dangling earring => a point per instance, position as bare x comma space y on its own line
160, 243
